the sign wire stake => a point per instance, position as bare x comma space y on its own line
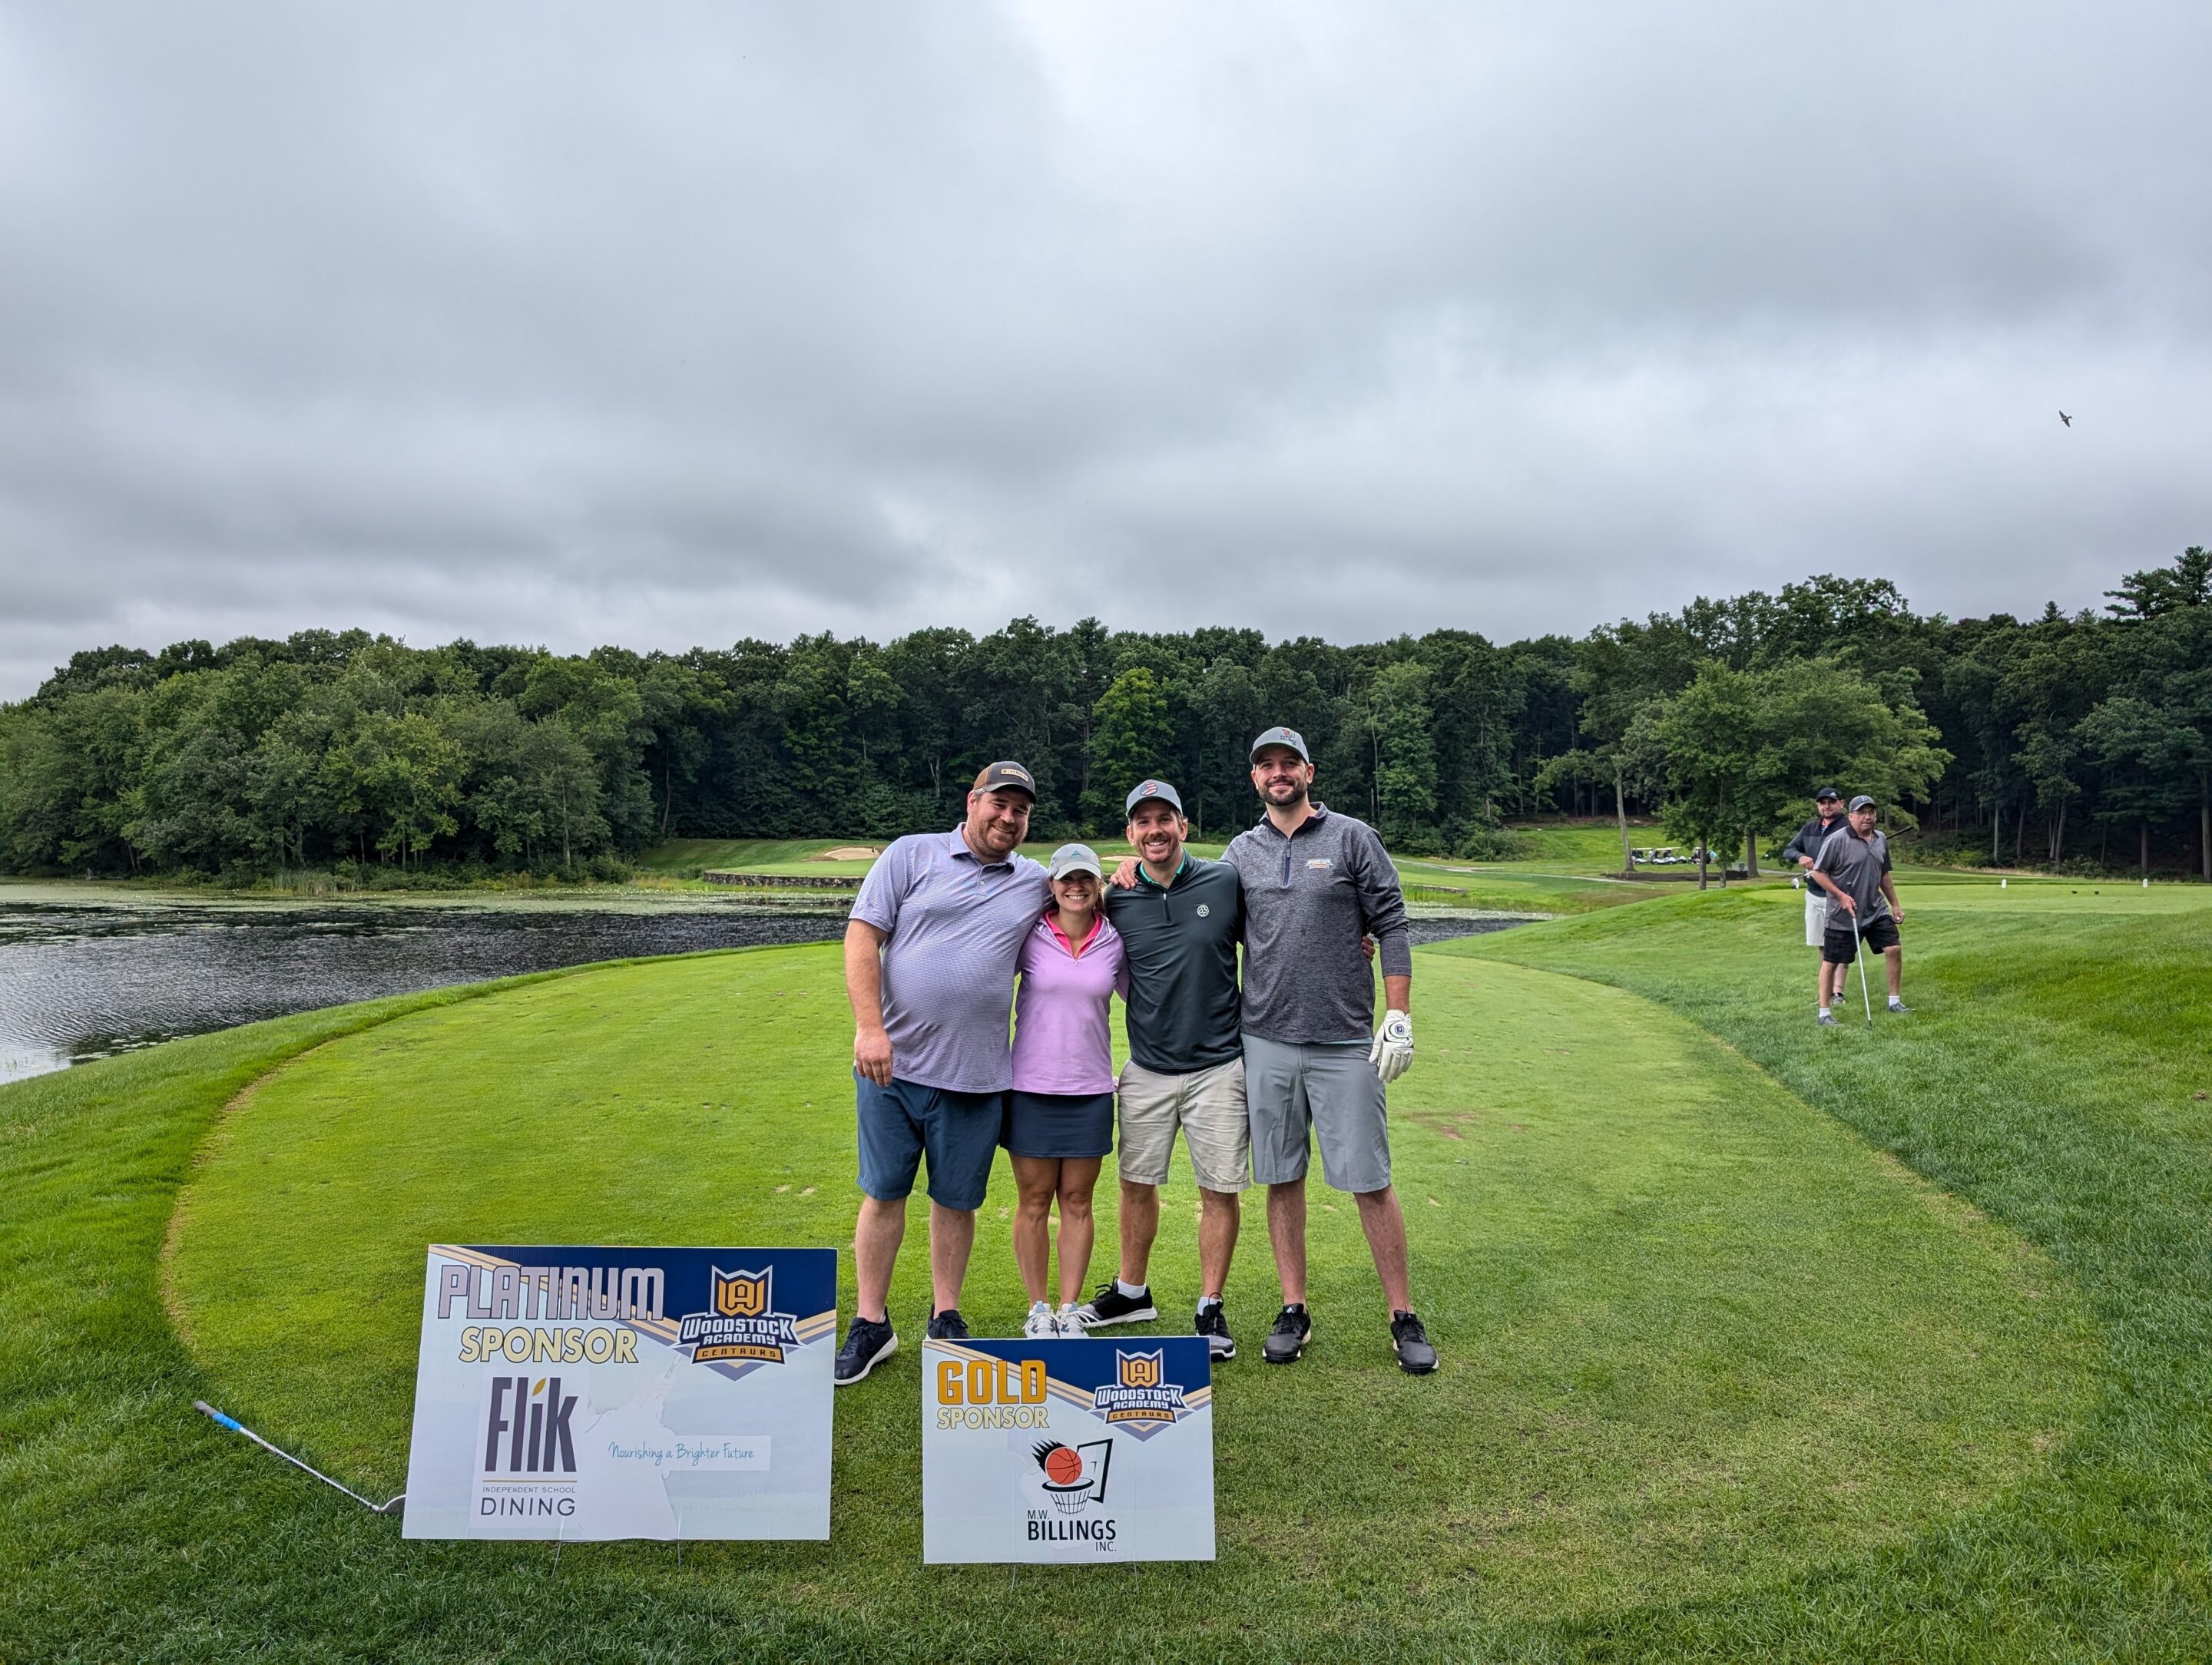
238, 1427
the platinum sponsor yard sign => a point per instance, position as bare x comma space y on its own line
590, 1393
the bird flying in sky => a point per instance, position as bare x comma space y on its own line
2067, 420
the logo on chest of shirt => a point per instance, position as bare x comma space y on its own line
1203, 910
1318, 865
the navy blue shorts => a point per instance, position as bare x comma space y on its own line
902, 1123
1060, 1126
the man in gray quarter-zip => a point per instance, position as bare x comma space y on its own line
1315, 883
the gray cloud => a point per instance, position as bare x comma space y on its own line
677, 323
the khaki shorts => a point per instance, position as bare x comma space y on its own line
1816, 915
1208, 1105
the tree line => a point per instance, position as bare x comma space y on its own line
2084, 738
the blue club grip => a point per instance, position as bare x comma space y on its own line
220, 1420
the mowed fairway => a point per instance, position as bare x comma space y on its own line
1697, 1337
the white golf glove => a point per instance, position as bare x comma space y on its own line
1392, 1051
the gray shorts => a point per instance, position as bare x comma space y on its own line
1816, 914
1207, 1104
1332, 1092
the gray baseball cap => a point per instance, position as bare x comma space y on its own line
1862, 802
1282, 737
1005, 777
1159, 789
1074, 859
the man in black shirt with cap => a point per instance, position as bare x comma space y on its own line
1805, 848
1181, 920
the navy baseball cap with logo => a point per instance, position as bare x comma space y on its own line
1159, 789
1283, 737
1826, 794
1006, 777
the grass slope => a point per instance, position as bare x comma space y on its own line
1584, 846
752, 855
2055, 1073
1698, 1339
1511, 888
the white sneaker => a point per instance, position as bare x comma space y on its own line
1040, 1325
1069, 1323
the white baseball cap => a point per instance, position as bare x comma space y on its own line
1075, 859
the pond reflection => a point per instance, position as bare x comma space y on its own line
78, 983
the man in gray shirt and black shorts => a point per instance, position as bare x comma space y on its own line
1315, 884
1853, 868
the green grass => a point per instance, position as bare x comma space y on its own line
1703, 1348
1501, 888
1589, 846
1508, 889
2055, 1073
752, 855
1924, 891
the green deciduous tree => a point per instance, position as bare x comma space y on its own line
337, 745
1130, 736
1397, 717
1743, 749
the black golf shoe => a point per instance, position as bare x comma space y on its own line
1213, 1325
1415, 1356
1293, 1330
867, 1344
948, 1325
1110, 1306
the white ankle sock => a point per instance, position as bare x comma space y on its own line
1133, 1291
1207, 1302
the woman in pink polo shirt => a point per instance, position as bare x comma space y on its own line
1059, 1116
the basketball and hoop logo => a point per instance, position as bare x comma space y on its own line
1074, 1474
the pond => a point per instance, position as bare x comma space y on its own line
80, 980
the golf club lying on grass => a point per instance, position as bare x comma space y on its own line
1859, 954
238, 1427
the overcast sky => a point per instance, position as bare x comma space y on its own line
672, 324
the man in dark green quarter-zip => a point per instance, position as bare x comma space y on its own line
1180, 922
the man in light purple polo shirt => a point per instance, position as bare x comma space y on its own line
930, 957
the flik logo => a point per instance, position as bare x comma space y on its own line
527, 1429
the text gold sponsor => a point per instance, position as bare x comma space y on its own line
991, 1393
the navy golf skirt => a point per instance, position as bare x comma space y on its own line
1059, 1126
